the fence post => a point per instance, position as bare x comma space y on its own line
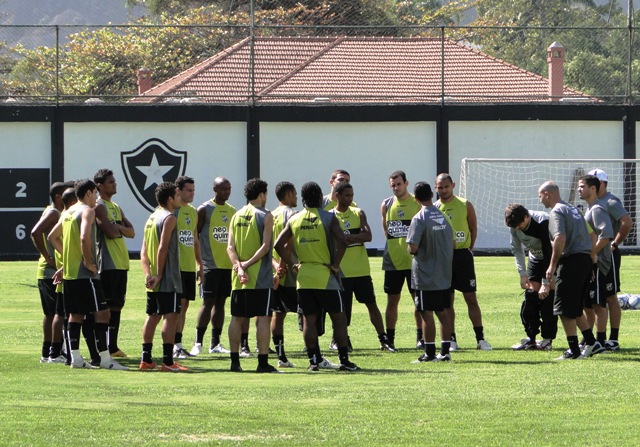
57, 65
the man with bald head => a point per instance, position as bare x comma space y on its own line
214, 218
571, 267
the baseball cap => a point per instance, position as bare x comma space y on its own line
602, 176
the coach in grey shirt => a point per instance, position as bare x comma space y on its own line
430, 241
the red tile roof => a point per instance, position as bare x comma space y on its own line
354, 70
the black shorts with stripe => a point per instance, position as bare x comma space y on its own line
84, 296
249, 303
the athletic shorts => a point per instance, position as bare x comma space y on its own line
394, 279
536, 270
216, 283
162, 303
286, 299
84, 296
432, 300
600, 289
617, 257
250, 303
572, 285
188, 286
361, 287
314, 301
47, 296
464, 274
114, 284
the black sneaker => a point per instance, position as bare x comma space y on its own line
420, 344
236, 368
385, 346
568, 355
95, 362
349, 366
313, 367
425, 358
266, 369
612, 345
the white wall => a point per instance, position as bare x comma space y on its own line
213, 149
301, 152
25, 145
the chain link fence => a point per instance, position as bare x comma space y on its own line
356, 51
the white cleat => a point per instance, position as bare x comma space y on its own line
219, 349
113, 365
196, 350
286, 364
483, 345
326, 364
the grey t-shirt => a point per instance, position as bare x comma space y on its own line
432, 232
599, 220
565, 219
615, 208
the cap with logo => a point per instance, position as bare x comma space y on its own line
602, 176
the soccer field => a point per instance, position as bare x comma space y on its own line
495, 398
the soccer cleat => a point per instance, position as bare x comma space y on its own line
44, 359
313, 367
267, 369
196, 350
96, 362
525, 344
147, 366
80, 363
176, 367
545, 345
425, 358
285, 364
612, 345
181, 353
119, 353
387, 347
219, 349
454, 346
112, 364
420, 344
591, 350
326, 364
349, 366
245, 352
235, 367
483, 345
333, 346
568, 355
443, 357
59, 359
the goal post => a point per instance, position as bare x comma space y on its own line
491, 184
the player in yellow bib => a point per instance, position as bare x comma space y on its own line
465, 227
113, 254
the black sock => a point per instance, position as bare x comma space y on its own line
90, 337
46, 347
114, 329
244, 341
589, 339
146, 352
73, 334
382, 337
314, 355
263, 359
215, 336
200, 331
56, 349
453, 337
278, 342
65, 337
391, 333
418, 334
100, 330
430, 349
167, 353
178, 338
614, 333
235, 359
574, 346
479, 330
445, 346
601, 337
343, 354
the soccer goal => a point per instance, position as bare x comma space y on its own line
491, 184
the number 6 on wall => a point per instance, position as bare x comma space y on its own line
21, 232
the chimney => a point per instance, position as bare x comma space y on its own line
144, 80
555, 60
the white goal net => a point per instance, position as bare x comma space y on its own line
492, 184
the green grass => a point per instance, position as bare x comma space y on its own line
479, 399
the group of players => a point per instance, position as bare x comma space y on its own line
311, 262
573, 267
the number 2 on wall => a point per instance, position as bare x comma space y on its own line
22, 189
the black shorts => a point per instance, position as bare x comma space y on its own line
572, 285
114, 284
250, 303
47, 296
84, 296
162, 303
432, 300
394, 279
314, 301
216, 283
536, 270
188, 286
286, 299
464, 274
361, 286
600, 289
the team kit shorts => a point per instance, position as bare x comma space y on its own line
114, 284
464, 274
84, 296
188, 286
361, 287
249, 303
572, 284
216, 283
600, 289
286, 299
162, 303
432, 300
314, 301
395, 279
49, 299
